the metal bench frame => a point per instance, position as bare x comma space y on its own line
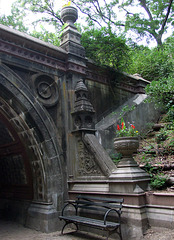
107, 205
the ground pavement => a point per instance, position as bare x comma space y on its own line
13, 231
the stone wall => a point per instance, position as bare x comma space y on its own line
142, 115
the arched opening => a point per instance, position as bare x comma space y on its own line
15, 169
33, 188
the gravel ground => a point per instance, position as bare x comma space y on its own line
13, 231
159, 234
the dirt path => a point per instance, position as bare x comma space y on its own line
13, 231
159, 234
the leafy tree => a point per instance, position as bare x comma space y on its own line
159, 16
161, 92
151, 18
38, 18
106, 48
15, 20
161, 89
152, 64
147, 18
46, 36
44, 11
156, 65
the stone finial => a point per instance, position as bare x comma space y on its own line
83, 114
69, 15
82, 103
70, 37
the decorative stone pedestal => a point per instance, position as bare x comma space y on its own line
43, 217
128, 177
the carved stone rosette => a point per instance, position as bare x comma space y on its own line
46, 89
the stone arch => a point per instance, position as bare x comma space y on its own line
37, 131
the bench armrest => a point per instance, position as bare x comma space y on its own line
69, 202
118, 213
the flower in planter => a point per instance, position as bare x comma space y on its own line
123, 131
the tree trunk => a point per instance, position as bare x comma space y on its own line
158, 40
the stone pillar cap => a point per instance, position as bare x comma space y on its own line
69, 14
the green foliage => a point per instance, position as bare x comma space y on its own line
157, 178
116, 157
126, 109
125, 131
159, 16
28, 14
161, 92
15, 20
152, 64
147, 18
156, 65
158, 181
170, 114
161, 136
46, 36
151, 18
105, 48
44, 10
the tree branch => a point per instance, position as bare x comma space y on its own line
144, 5
167, 15
127, 12
87, 14
108, 10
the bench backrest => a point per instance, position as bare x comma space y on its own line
97, 203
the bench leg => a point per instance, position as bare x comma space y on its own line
77, 228
118, 231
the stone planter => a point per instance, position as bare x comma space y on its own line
130, 178
126, 146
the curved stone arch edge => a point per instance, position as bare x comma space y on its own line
23, 95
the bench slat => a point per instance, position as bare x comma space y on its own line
90, 221
101, 204
109, 200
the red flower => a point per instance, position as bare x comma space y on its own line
118, 127
122, 124
132, 126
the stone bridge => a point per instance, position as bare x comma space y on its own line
50, 101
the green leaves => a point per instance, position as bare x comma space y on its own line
153, 64
26, 14
46, 36
15, 20
147, 18
161, 92
105, 48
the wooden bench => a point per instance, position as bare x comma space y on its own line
94, 207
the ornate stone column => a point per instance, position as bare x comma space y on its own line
71, 38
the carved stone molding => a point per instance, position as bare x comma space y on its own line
86, 162
30, 55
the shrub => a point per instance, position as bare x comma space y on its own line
158, 181
116, 157
161, 136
